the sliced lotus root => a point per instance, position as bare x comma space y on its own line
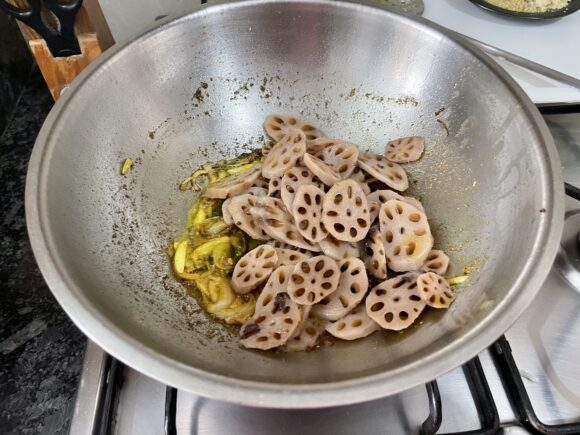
228, 219
395, 303
307, 213
259, 192
239, 209
375, 258
277, 283
290, 257
346, 212
405, 149
361, 178
276, 317
292, 180
274, 186
254, 268
267, 147
338, 249
261, 182
234, 184
407, 235
356, 324
437, 261
382, 196
272, 218
352, 288
374, 208
435, 290
340, 155
285, 154
307, 337
276, 127
324, 172
281, 245
389, 173
313, 279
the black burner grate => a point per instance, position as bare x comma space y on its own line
514, 386
482, 397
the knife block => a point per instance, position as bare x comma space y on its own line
94, 37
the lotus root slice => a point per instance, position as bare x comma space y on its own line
435, 290
261, 182
307, 213
276, 317
290, 257
275, 221
360, 177
274, 186
307, 337
437, 261
337, 249
281, 245
407, 235
395, 303
357, 324
239, 210
228, 219
324, 172
352, 288
375, 258
267, 147
405, 149
341, 156
254, 268
313, 279
259, 192
234, 184
389, 173
292, 180
346, 212
284, 154
276, 127
382, 196
374, 208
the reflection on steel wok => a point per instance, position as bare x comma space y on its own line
197, 89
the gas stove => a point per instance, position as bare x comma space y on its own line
528, 381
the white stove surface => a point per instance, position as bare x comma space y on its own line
545, 343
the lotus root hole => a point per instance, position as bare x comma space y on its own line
414, 217
297, 279
389, 317
378, 306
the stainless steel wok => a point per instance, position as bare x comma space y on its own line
196, 89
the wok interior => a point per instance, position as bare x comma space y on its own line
199, 91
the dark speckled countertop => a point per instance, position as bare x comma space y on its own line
41, 351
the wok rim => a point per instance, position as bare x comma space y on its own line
135, 354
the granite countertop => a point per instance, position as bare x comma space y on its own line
41, 350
